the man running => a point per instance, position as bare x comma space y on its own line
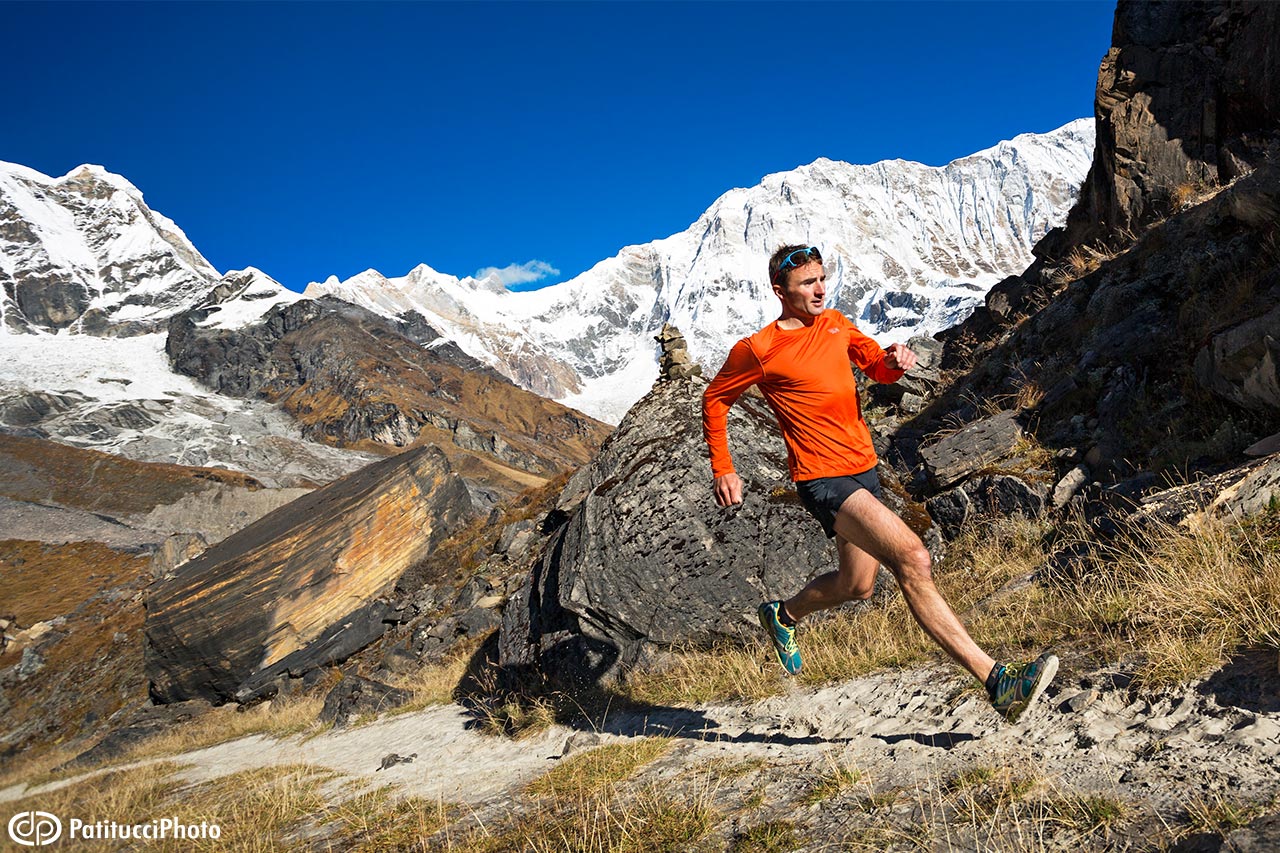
801, 362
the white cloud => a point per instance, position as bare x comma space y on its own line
519, 273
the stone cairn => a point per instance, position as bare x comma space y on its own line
674, 362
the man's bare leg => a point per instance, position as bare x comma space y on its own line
854, 580
873, 528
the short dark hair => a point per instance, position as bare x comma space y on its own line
779, 276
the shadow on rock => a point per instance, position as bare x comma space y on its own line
1249, 681
941, 740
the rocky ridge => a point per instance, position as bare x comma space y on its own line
352, 378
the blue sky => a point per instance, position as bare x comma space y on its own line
310, 139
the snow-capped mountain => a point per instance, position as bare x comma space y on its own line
117, 335
89, 279
910, 249
84, 253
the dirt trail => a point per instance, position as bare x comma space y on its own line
1090, 733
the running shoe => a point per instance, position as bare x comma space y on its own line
1017, 685
782, 636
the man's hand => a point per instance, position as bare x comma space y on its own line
728, 489
899, 357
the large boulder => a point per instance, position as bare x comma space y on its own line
648, 557
302, 587
646, 560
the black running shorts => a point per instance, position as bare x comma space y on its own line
823, 497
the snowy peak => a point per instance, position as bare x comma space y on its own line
242, 298
85, 253
910, 249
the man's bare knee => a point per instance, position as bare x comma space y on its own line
849, 589
858, 592
915, 567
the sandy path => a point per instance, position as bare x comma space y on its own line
1091, 733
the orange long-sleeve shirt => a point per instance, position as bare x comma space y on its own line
806, 379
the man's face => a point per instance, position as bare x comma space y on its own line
804, 291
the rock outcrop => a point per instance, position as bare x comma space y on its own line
1164, 358
301, 587
674, 361
1186, 99
1142, 346
951, 459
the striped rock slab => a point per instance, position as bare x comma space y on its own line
302, 587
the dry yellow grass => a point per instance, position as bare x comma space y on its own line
36, 768
254, 811
1177, 601
837, 778
651, 820
378, 820
774, 836
591, 804
434, 684
1186, 600
276, 719
860, 640
1190, 193
1218, 814
266, 809
1085, 259
589, 773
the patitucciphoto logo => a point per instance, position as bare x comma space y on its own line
35, 829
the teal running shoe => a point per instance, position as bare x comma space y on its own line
1016, 686
782, 636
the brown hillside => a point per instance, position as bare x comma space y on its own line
39, 471
357, 380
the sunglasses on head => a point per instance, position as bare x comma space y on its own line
800, 257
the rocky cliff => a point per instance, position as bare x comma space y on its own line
1187, 99
1148, 355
